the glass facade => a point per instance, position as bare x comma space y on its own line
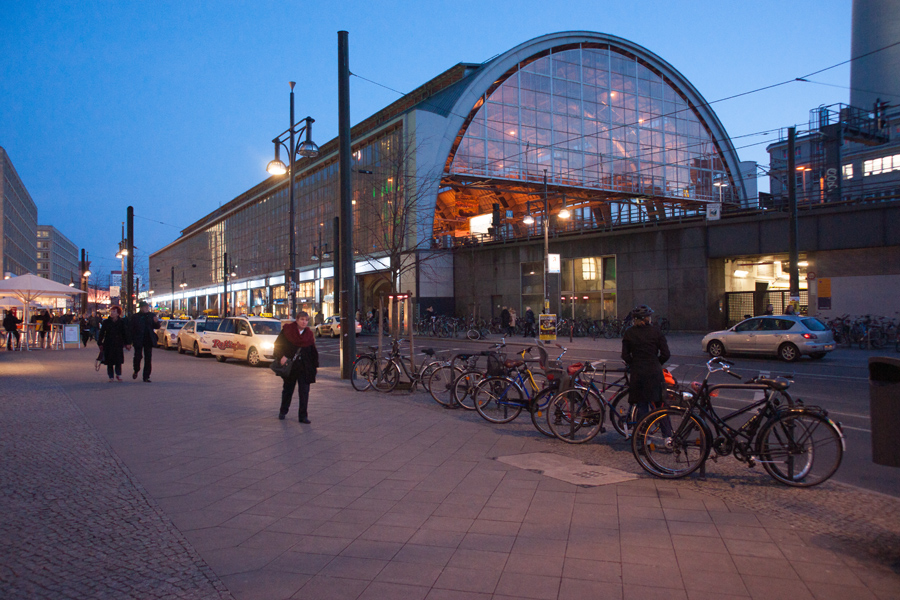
602, 121
588, 288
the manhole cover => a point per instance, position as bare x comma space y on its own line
567, 469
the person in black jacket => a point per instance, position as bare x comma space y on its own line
297, 341
114, 336
143, 334
529, 322
645, 350
11, 325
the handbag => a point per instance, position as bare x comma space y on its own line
283, 370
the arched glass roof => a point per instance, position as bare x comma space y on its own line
594, 117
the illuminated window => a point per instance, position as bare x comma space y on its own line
878, 166
589, 269
848, 171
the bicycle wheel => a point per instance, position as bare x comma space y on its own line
387, 376
622, 414
575, 416
362, 374
463, 388
669, 443
440, 382
498, 399
538, 409
801, 449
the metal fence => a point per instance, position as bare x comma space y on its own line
740, 305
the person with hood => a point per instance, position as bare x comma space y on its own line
143, 334
114, 337
296, 341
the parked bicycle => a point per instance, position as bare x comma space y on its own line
797, 445
383, 373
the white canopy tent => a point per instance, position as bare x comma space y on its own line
27, 288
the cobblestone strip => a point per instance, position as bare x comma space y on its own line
74, 523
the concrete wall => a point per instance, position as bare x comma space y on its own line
863, 281
666, 269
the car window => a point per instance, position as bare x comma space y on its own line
189, 327
748, 325
174, 325
226, 326
783, 324
240, 325
266, 328
814, 324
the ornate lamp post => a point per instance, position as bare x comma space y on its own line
545, 225
303, 149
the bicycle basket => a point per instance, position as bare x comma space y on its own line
495, 366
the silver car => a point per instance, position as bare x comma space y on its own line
168, 332
786, 336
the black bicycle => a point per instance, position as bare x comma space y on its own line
797, 445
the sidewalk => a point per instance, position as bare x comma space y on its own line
190, 487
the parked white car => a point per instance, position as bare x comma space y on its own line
192, 338
332, 327
245, 338
786, 336
168, 332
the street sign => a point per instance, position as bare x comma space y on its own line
553, 263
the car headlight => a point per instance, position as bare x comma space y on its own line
267, 346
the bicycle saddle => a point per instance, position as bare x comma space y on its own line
779, 385
512, 364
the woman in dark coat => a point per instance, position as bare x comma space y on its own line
293, 337
114, 336
645, 350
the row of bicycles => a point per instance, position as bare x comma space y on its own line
797, 445
867, 331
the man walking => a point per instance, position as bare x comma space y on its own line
143, 333
11, 325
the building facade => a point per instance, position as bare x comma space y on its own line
18, 254
57, 256
603, 132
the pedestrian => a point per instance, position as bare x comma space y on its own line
297, 340
645, 350
85, 328
770, 309
790, 310
11, 325
512, 321
529, 322
504, 320
143, 335
95, 322
114, 338
44, 321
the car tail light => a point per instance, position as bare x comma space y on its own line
810, 336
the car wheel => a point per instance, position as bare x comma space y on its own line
334, 334
253, 357
318, 332
179, 348
788, 352
165, 343
715, 348
221, 358
196, 350
818, 355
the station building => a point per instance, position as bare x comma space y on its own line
591, 123
646, 200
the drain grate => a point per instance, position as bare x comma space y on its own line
567, 469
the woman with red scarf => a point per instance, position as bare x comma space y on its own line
297, 341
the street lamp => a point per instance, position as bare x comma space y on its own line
183, 285
529, 220
303, 149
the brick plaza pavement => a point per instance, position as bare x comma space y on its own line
190, 487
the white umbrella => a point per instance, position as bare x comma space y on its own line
29, 287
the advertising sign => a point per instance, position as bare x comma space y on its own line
553, 263
70, 334
547, 325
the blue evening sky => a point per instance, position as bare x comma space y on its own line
170, 106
